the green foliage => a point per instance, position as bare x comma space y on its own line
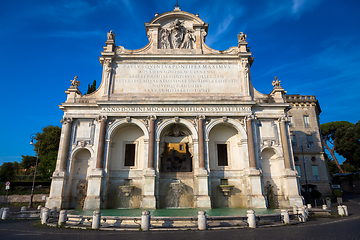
331, 133
331, 165
270, 196
27, 161
48, 140
47, 165
315, 194
92, 87
7, 171
329, 129
347, 143
338, 193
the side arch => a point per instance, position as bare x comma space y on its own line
116, 124
229, 121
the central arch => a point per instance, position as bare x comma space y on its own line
176, 156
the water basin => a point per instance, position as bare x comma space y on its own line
187, 212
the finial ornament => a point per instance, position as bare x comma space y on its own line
75, 83
111, 35
177, 4
241, 37
276, 83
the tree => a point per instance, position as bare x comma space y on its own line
27, 161
48, 140
328, 131
7, 171
347, 143
92, 87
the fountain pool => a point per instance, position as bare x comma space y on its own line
184, 212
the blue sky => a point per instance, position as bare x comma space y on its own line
311, 45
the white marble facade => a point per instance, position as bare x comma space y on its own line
175, 124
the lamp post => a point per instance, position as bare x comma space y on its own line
32, 137
306, 182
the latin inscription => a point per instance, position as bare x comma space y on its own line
176, 109
177, 78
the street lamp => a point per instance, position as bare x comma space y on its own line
32, 137
306, 182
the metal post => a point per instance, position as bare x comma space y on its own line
32, 137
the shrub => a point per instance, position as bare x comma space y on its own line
338, 193
315, 194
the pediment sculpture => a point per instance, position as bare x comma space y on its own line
177, 36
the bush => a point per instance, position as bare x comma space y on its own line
315, 194
338, 193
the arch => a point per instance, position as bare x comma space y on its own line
176, 14
277, 151
79, 148
230, 121
137, 122
168, 122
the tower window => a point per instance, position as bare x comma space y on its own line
306, 121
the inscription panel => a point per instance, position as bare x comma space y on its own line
169, 78
178, 109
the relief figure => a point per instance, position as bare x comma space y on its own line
189, 40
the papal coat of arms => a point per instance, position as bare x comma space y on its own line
177, 36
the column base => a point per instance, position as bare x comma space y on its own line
92, 202
54, 202
296, 201
203, 202
148, 202
258, 202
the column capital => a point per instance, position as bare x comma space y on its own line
283, 119
101, 118
152, 117
250, 117
66, 120
201, 117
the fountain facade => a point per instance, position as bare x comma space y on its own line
174, 118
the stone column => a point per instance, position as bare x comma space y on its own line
201, 142
250, 141
284, 141
101, 144
152, 120
67, 124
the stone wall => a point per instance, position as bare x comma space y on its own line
38, 198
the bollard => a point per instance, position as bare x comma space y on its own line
41, 212
302, 214
285, 215
324, 207
341, 210
45, 215
39, 207
1, 212
202, 223
309, 206
145, 221
328, 202
346, 213
251, 218
53, 211
62, 217
306, 211
96, 219
5, 213
295, 209
23, 209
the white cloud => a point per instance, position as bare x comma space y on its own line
297, 5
